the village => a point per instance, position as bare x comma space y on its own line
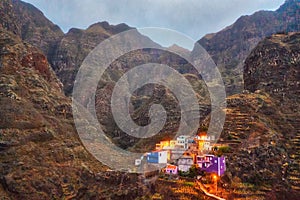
177, 157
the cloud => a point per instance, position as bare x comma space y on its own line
194, 18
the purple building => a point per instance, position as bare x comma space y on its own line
211, 163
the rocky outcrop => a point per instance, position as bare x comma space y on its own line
273, 66
230, 47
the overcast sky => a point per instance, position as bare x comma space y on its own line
195, 18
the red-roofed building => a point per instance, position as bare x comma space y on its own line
171, 169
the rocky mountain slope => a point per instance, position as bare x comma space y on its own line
75, 45
41, 156
146, 97
275, 64
262, 125
66, 52
230, 47
30, 25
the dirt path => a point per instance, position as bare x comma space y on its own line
207, 193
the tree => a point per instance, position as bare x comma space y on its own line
194, 171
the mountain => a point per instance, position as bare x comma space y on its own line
230, 47
41, 156
75, 45
274, 67
278, 56
146, 96
66, 52
262, 124
181, 50
36, 122
30, 25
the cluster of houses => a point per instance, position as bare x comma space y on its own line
184, 152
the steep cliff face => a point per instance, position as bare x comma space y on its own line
41, 156
230, 47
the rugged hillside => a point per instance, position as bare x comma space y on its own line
262, 125
230, 47
273, 66
41, 156
29, 24
147, 96
66, 52
261, 159
75, 46
180, 49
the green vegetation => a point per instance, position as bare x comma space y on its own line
191, 184
192, 173
222, 150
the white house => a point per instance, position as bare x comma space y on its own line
185, 163
184, 141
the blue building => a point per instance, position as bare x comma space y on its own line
158, 157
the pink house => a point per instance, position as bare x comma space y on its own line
171, 169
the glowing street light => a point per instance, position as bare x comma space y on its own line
215, 177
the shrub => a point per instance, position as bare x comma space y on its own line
222, 150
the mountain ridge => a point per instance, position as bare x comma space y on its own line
230, 46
